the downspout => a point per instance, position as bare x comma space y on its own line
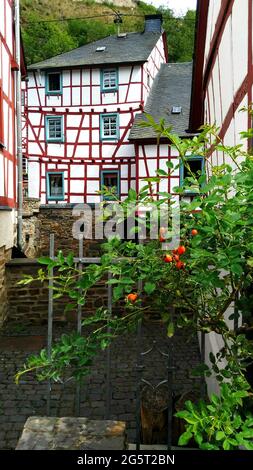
19, 125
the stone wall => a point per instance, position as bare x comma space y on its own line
31, 227
29, 303
5, 255
48, 433
59, 221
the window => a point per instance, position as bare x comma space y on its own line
1, 117
25, 166
148, 80
109, 80
23, 97
109, 126
110, 180
54, 131
53, 83
194, 167
55, 186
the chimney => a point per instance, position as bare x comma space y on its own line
153, 23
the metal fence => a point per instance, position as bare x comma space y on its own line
140, 369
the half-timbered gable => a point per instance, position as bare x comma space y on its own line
170, 99
8, 161
80, 108
7, 107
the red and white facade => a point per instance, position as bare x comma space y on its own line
8, 162
225, 66
224, 74
84, 155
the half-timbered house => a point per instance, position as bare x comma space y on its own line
82, 111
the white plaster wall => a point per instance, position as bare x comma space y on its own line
1, 174
226, 70
240, 40
7, 228
33, 179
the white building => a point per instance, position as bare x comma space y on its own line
8, 148
82, 110
222, 86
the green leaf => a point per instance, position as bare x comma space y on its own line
215, 399
161, 173
169, 164
198, 438
70, 259
220, 435
226, 445
132, 195
170, 330
247, 433
240, 394
237, 269
184, 438
208, 446
149, 287
248, 445
44, 260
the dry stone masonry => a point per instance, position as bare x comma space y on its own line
48, 433
5, 256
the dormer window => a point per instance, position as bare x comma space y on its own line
109, 80
54, 83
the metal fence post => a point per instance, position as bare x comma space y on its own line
79, 322
50, 319
108, 352
170, 393
139, 368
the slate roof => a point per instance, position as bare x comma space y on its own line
135, 47
171, 87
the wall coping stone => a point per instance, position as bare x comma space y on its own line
32, 199
65, 206
51, 433
22, 262
6, 208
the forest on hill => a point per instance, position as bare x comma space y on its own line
51, 27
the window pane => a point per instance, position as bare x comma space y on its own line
109, 79
111, 180
54, 128
110, 126
195, 168
56, 185
54, 82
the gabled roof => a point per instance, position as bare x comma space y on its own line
134, 47
171, 87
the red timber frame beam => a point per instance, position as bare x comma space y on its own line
197, 96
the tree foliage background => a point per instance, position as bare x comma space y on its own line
47, 39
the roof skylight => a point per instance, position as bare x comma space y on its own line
176, 110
